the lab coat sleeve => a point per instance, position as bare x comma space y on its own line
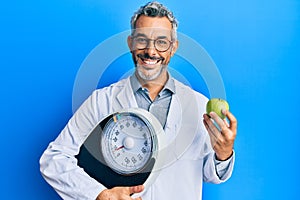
223, 166
58, 164
216, 171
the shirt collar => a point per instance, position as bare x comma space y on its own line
136, 85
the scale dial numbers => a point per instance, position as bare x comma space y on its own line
126, 144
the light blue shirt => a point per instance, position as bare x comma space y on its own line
159, 107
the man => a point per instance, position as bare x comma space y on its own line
199, 151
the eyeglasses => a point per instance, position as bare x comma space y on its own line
160, 44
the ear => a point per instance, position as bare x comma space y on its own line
174, 47
129, 43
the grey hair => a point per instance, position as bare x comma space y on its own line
155, 9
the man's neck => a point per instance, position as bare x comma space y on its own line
154, 86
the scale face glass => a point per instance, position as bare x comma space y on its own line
127, 143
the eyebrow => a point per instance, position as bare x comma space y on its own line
139, 34
143, 35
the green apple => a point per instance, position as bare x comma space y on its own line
217, 105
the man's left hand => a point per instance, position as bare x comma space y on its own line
222, 138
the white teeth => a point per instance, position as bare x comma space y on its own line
150, 62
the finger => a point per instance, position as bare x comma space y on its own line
210, 126
218, 121
212, 130
138, 198
232, 120
213, 138
226, 122
136, 189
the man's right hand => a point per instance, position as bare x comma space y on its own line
120, 193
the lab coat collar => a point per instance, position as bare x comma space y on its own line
126, 97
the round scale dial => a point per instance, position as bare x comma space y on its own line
127, 143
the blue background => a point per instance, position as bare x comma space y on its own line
254, 43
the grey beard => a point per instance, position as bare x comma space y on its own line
152, 76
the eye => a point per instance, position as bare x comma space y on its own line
141, 40
162, 42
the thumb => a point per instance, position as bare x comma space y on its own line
136, 189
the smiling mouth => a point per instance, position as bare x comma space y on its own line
149, 60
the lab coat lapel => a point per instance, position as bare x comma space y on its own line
168, 149
174, 116
125, 98
182, 123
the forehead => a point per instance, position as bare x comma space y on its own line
153, 26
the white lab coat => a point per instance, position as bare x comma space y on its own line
189, 161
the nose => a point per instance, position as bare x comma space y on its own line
150, 49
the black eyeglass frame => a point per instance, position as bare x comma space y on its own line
154, 42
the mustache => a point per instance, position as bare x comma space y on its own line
147, 56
